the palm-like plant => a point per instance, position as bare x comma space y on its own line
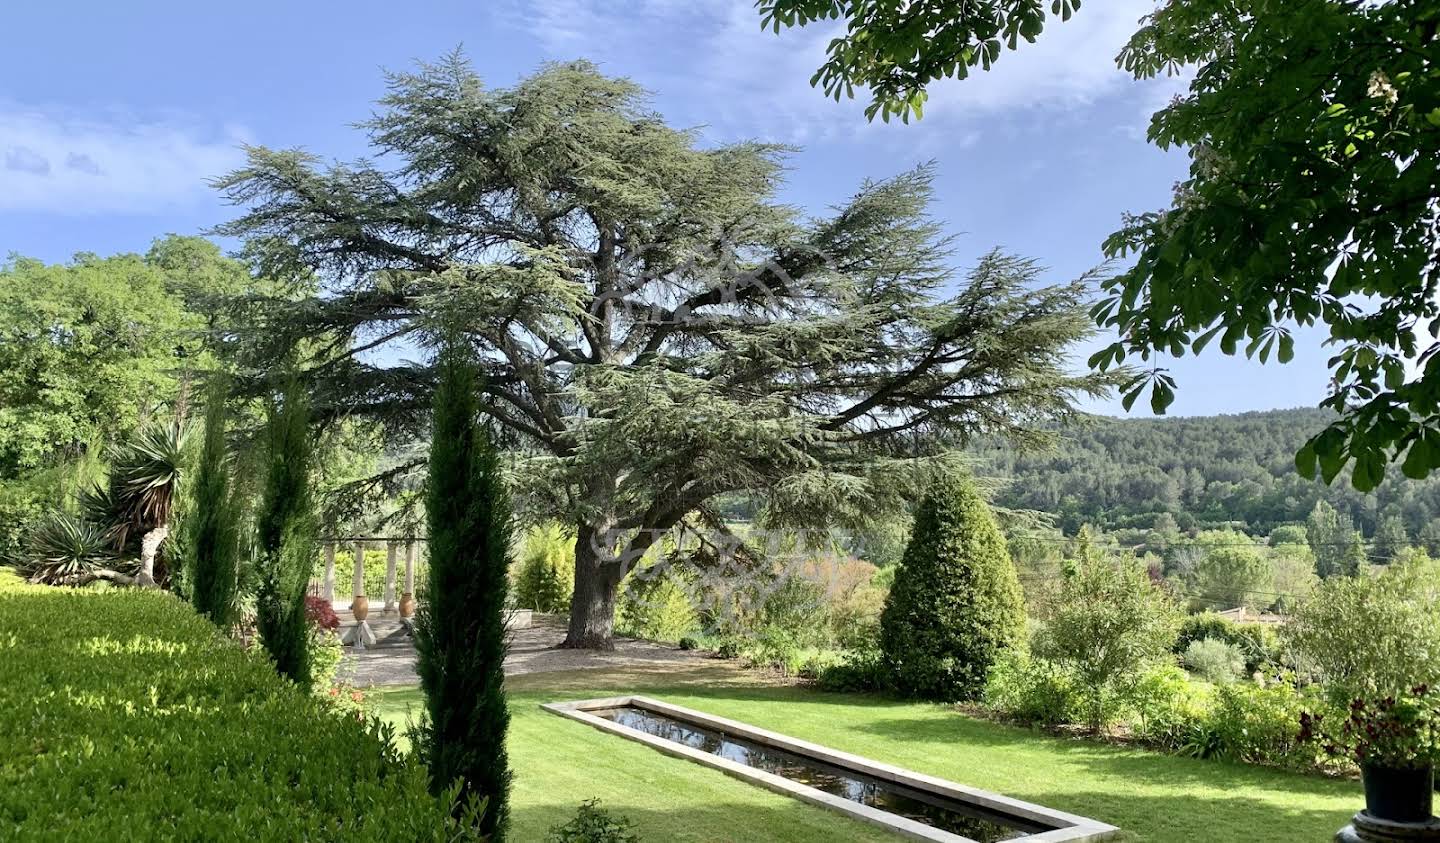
140, 496
66, 550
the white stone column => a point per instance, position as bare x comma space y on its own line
360, 635
392, 553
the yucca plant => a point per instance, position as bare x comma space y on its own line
138, 500
64, 549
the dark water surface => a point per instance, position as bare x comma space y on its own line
933, 810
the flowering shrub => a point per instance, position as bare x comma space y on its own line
1396, 731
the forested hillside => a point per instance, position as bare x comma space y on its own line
1206, 471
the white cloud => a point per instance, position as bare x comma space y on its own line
711, 62
55, 160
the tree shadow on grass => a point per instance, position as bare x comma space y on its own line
1100, 758
1183, 819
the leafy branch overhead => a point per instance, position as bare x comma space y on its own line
1313, 131
896, 48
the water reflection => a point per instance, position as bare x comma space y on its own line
938, 812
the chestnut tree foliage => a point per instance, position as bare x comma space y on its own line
1313, 130
655, 328
897, 47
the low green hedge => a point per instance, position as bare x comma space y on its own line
125, 716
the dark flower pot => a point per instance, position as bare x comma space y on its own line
1399, 794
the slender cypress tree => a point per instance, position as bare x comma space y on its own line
286, 538
460, 631
212, 526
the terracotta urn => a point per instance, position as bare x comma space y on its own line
407, 605
360, 608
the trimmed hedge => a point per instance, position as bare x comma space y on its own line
128, 716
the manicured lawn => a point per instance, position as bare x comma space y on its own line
558, 763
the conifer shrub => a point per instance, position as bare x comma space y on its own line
460, 635
212, 527
956, 604
130, 718
286, 539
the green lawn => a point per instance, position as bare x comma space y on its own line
558, 763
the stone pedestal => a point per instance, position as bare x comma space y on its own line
1364, 828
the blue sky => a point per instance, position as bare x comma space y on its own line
113, 116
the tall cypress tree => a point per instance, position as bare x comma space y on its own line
956, 604
286, 538
212, 526
460, 631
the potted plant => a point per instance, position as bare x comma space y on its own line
1393, 740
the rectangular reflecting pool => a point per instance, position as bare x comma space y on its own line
911, 804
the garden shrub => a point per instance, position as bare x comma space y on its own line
545, 578
1165, 705
956, 605
593, 824
1032, 690
129, 714
1108, 626
859, 671
656, 608
1368, 636
1254, 723
1214, 660
1257, 641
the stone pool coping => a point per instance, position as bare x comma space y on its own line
1070, 828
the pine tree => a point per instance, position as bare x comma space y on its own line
1336, 543
956, 604
460, 631
212, 527
286, 538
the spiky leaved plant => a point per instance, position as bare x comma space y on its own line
212, 525
138, 500
64, 549
460, 632
286, 537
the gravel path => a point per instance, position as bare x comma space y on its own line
532, 650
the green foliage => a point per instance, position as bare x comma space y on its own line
1214, 660
1110, 624
63, 549
1371, 636
1391, 540
956, 605
285, 527
1334, 541
656, 607
660, 373
1166, 705
593, 824
1335, 230
894, 50
1257, 642
1288, 534
1234, 576
84, 348
1207, 472
460, 629
546, 577
212, 525
326, 653
156, 728
1256, 724
1033, 690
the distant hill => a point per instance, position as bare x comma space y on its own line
1120, 473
